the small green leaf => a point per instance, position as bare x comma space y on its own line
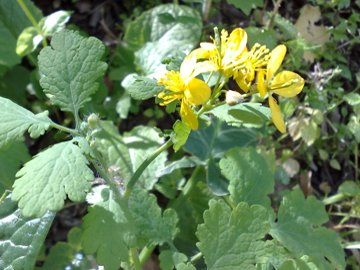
13, 21
44, 181
169, 258
54, 22
287, 28
352, 98
15, 120
21, 237
181, 134
152, 225
28, 41
105, 230
251, 177
246, 6
298, 230
140, 87
335, 164
349, 188
183, 266
11, 158
231, 238
262, 36
70, 69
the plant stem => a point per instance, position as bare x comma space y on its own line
135, 259
275, 11
190, 184
196, 257
206, 9
32, 20
143, 166
356, 154
145, 254
334, 199
65, 129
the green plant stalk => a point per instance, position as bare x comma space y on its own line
206, 10
196, 257
145, 254
334, 199
32, 20
356, 154
143, 166
275, 11
135, 259
65, 129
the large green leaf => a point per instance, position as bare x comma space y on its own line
70, 69
232, 238
44, 181
21, 237
162, 32
15, 120
152, 225
12, 22
105, 231
128, 151
251, 177
11, 158
214, 140
298, 229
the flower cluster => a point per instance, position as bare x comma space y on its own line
254, 70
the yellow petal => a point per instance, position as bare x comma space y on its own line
276, 115
205, 66
197, 92
261, 86
287, 84
235, 44
242, 83
188, 116
276, 58
201, 53
187, 68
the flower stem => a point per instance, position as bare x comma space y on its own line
135, 259
65, 129
32, 20
143, 166
145, 254
196, 257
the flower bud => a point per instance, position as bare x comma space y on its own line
233, 97
93, 120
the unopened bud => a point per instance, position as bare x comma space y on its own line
93, 120
233, 97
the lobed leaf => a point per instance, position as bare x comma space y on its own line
20, 237
45, 181
231, 238
153, 226
297, 229
15, 120
250, 175
70, 69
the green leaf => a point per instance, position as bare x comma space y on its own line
54, 22
155, 38
214, 140
152, 225
129, 151
247, 114
246, 6
353, 99
262, 36
297, 229
13, 84
185, 162
13, 21
105, 230
44, 181
216, 182
70, 69
21, 237
28, 41
181, 134
251, 177
11, 158
15, 120
286, 27
231, 238
183, 266
140, 87
169, 258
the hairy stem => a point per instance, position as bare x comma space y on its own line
275, 11
135, 259
65, 129
143, 166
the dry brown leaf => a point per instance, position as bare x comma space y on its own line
313, 34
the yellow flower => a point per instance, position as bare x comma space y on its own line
252, 61
285, 83
223, 56
183, 86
